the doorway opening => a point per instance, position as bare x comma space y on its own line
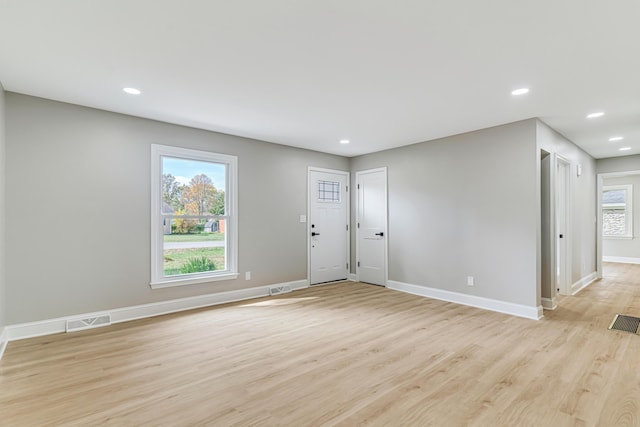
618, 215
555, 229
547, 232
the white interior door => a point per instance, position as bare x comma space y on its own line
563, 271
328, 226
371, 231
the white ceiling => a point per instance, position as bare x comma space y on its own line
308, 73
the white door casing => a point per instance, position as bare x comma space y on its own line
599, 220
371, 226
562, 214
327, 226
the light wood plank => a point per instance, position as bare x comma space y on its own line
343, 354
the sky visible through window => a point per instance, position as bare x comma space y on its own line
183, 170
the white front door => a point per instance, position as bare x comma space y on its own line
328, 225
371, 231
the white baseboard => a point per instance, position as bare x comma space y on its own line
470, 300
549, 303
583, 283
622, 259
353, 277
4, 340
118, 315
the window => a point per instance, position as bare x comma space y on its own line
194, 218
328, 191
617, 215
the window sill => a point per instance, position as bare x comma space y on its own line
169, 283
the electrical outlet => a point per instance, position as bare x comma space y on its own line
470, 281
247, 275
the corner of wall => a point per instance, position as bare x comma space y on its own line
4, 340
582, 252
3, 305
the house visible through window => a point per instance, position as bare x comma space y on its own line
617, 215
194, 218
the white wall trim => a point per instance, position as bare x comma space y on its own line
529, 312
549, 303
125, 314
4, 340
564, 283
583, 283
622, 259
353, 277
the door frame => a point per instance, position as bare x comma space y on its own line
599, 184
566, 288
347, 219
547, 250
386, 225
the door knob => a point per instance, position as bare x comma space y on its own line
313, 233
380, 234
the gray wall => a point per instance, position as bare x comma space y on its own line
465, 205
77, 197
629, 248
583, 199
78, 208
3, 304
619, 164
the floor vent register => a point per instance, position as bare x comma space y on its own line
625, 323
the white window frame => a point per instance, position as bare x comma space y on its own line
158, 279
628, 208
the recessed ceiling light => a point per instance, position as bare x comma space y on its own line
625, 148
132, 91
344, 141
616, 138
520, 91
594, 115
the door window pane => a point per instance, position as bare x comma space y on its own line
329, 191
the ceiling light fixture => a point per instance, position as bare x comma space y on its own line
344, 141
616, 138
625, 148
132, 91
594, 115
520, 91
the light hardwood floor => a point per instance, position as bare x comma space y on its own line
344, 354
